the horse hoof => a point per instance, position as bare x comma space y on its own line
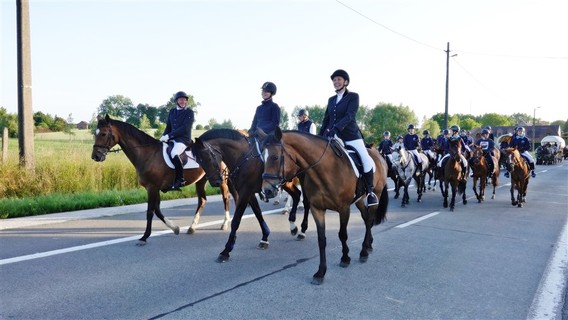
141, 243
344, 264
493, 197
317, 280
190, 230
225, 226
176, 230
222, 258
465, 202
363, 259
520, 205
294, 231
263, 245
396, 196
301, 237
284, 212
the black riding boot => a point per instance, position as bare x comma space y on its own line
533, 174
179, 182
371, 197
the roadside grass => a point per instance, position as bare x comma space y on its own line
67, 179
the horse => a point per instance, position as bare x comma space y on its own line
451, 175
480, 169
146, 154
329, 181
432, 156
519, 171
407, 169
244, 170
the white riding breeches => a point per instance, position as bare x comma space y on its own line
177, 149
366, 159
417, 154
528, 156
463, 159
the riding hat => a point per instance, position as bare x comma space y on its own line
455, 128
303, 112
386, 133
341, 73
269, 87
410, 126
426, 132
484, 131
181, 94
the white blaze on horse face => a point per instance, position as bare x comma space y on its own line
97, 132
264, 155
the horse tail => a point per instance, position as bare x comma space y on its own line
381, 212
461, 186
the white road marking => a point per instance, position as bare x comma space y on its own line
409, 223
114, 241
547, 302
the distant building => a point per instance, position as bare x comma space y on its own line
83, 125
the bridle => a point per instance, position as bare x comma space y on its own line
280, 176
109, 142
213, 152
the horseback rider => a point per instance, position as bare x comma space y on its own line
426, 143
490, 136
411, 142
522, 143
466, 138
339, 120
385, 148
267, 115
178, 129
399, 142
488, 147
455, 136
305, 124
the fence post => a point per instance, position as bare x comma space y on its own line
5, 145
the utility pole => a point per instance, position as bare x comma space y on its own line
447, 85
25, 114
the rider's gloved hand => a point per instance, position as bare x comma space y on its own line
330, 132
165, 138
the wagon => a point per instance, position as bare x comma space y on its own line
551, 150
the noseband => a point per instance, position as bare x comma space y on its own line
109, 141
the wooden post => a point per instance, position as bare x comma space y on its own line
5, 145
25, 114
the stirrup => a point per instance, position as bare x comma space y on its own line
533, 174
178, 184
372, 199
507, 174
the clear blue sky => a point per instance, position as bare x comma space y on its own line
512, 55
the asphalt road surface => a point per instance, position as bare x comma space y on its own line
485, 260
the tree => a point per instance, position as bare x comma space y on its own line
494, 119
9, 121
283, 119
388, 117
144, 123
117, 106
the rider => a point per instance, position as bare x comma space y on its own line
178, 129
426, 143
488, 147
385, 148
455, 136
305, 124
339, 120
411, 142
442, 143
399, 142
267, 115
522, 143
490, 133
466, 138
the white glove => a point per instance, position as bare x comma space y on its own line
165, 138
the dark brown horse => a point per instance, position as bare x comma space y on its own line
519, 171
480, 169
146, 154
244, 170
329, 182
452, 175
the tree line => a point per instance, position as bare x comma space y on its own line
372, 121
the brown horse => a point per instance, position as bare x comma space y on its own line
146, 154
452, 175
480, 172
329, 182
519, 170
244, 170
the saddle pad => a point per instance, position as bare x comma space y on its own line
190, 164
347, 153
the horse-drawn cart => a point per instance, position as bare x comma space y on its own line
550, 150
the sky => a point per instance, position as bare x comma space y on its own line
508, 56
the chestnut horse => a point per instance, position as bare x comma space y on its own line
480, 172
328, 181
451, 175
519, 171
217, 147
146, 154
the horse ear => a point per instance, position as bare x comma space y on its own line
107, 117
278, 134
198, 142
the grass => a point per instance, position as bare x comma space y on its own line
67, 179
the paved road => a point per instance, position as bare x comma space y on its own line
482, 261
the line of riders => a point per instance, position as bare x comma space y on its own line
439, 149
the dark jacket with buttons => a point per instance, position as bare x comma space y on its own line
341, 117
266, 117
179, 124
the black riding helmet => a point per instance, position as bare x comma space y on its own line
269, 87
341, 73
426, 132
181, 94
455, 128
303, 112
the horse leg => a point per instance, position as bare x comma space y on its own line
444, 185
366, 214
343, 221
294, 194
201, 200
482, 186
453, 199
253, 203
475, 178
513, 199
319, 218
302, 234
422, 187
154, 207
235, 223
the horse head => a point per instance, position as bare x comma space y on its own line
455, 149
209, 158
274, 165
105, 139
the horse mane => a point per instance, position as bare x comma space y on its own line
307, 134
129, 129
222, 133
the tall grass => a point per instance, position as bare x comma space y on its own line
66, 178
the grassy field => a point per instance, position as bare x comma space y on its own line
66, 178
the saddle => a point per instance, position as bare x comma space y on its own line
340, 149
187, 157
